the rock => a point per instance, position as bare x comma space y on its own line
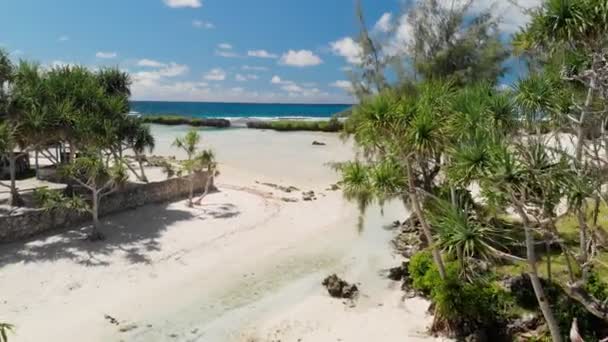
400, 272
318, 143
289, 199
309, 196
396, 224
111, 319
333, 187
128, 327
339, 288
408, 243
287, 189
528, 322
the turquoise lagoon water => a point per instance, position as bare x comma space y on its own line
238, 110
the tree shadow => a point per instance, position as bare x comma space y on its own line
134, 232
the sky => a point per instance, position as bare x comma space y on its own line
292, 51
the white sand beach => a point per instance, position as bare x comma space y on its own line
245, 266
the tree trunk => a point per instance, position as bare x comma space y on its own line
16, 200
37, 165
580, 132
419, 213
208, 183
191, 192
580, 215
141, 168
548, 251
95, 214
543, 303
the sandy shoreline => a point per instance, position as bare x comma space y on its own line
246, 266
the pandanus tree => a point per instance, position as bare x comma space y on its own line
91, 172
403, 137
189, 144
522, 177
139, 139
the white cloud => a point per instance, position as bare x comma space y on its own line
254, 68
347, 48
385, 23
203, 24
292, 88
342, 84
225, 46
154, 77
302, 58
226, 53
17, 52
183, 3
244, 78
261, 54
277, 80
237, 89
150, 63
106, 55
216, 74
63, 38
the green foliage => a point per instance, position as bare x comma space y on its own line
332, 125
55, 199
423, 272
173, 120
91, 171
5, 328
461, 235
189, 143
452, 42
462, 306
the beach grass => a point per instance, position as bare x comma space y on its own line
173, 120
332, 125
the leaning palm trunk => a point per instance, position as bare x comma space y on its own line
539, 292
191, 189
140, 161
210, 180
425, 226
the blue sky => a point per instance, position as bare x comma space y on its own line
202, 50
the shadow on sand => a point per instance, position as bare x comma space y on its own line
135, 233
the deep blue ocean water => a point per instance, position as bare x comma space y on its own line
237, 110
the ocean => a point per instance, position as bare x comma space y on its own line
238, 110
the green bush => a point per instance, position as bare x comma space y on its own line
172, 120
421, 264
332, 125
462, 307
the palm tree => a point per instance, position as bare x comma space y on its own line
138, 138
516, 176
5, 328
189, 144
206, 160
403, 138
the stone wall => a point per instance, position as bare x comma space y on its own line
28, 222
